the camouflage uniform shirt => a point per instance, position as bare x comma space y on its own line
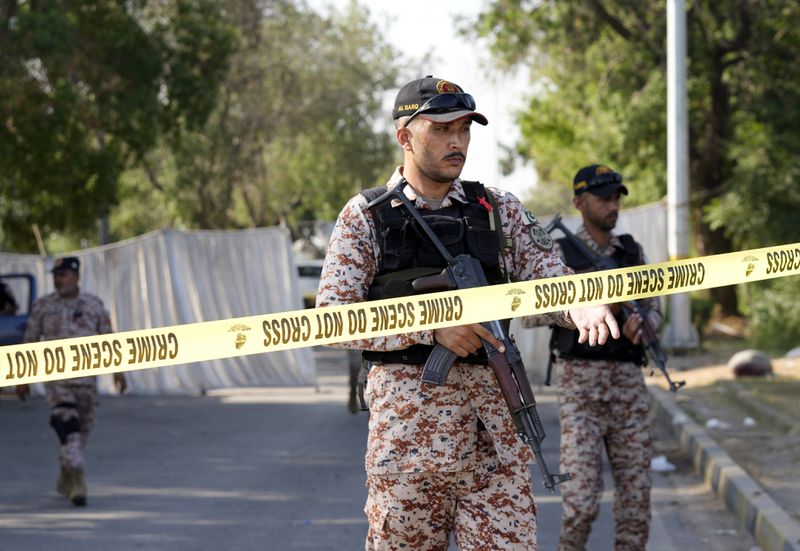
54, 317
428, 428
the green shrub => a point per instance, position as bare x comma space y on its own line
702, 308
775, 313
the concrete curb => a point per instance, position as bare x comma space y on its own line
771, 527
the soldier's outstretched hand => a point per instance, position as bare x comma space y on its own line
594, 324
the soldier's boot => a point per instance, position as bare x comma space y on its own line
64, 484
77, 493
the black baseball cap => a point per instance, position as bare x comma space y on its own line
417, 98
66, 263
598, 180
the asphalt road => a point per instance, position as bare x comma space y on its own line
262, 469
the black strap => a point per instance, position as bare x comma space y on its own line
504, 244
373, 193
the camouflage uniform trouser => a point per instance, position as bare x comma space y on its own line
417, 511
72, 406
625, 430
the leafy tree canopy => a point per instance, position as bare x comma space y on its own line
600, 74
293, 133
87, 88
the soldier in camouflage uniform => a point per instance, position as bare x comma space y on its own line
63, 314
602, 394
441, 459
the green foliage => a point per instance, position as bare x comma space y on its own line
702, 310
328, 147
601, 70
293, 132
760, 206
602, 99
87, 88
602, 66
775, 313
141, 205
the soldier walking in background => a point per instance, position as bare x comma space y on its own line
67, 313
602, 394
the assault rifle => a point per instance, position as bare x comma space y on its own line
465, 272
654, 354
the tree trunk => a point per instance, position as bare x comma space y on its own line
715, 242
710, 170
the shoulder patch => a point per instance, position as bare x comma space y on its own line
540, 237
530, 218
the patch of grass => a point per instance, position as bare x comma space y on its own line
781, 393
771, 402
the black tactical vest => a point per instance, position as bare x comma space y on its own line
407, 253
565, 341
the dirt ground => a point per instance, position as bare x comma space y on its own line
757, 419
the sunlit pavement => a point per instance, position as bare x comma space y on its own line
257, 469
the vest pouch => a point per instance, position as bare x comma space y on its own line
392, 289
449, 231
482, 242
398, 243
398, 284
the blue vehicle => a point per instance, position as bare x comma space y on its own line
23, 289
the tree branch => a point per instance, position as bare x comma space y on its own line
743, 35
656, 49
615, 23
256, 214
7, 12
694, 14
641, 22
703, 196
732, 61
151, 175
643, 27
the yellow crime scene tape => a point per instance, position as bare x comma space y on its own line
182, 344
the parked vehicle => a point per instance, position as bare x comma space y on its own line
12, 326
309, 272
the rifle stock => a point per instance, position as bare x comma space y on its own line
436, 282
